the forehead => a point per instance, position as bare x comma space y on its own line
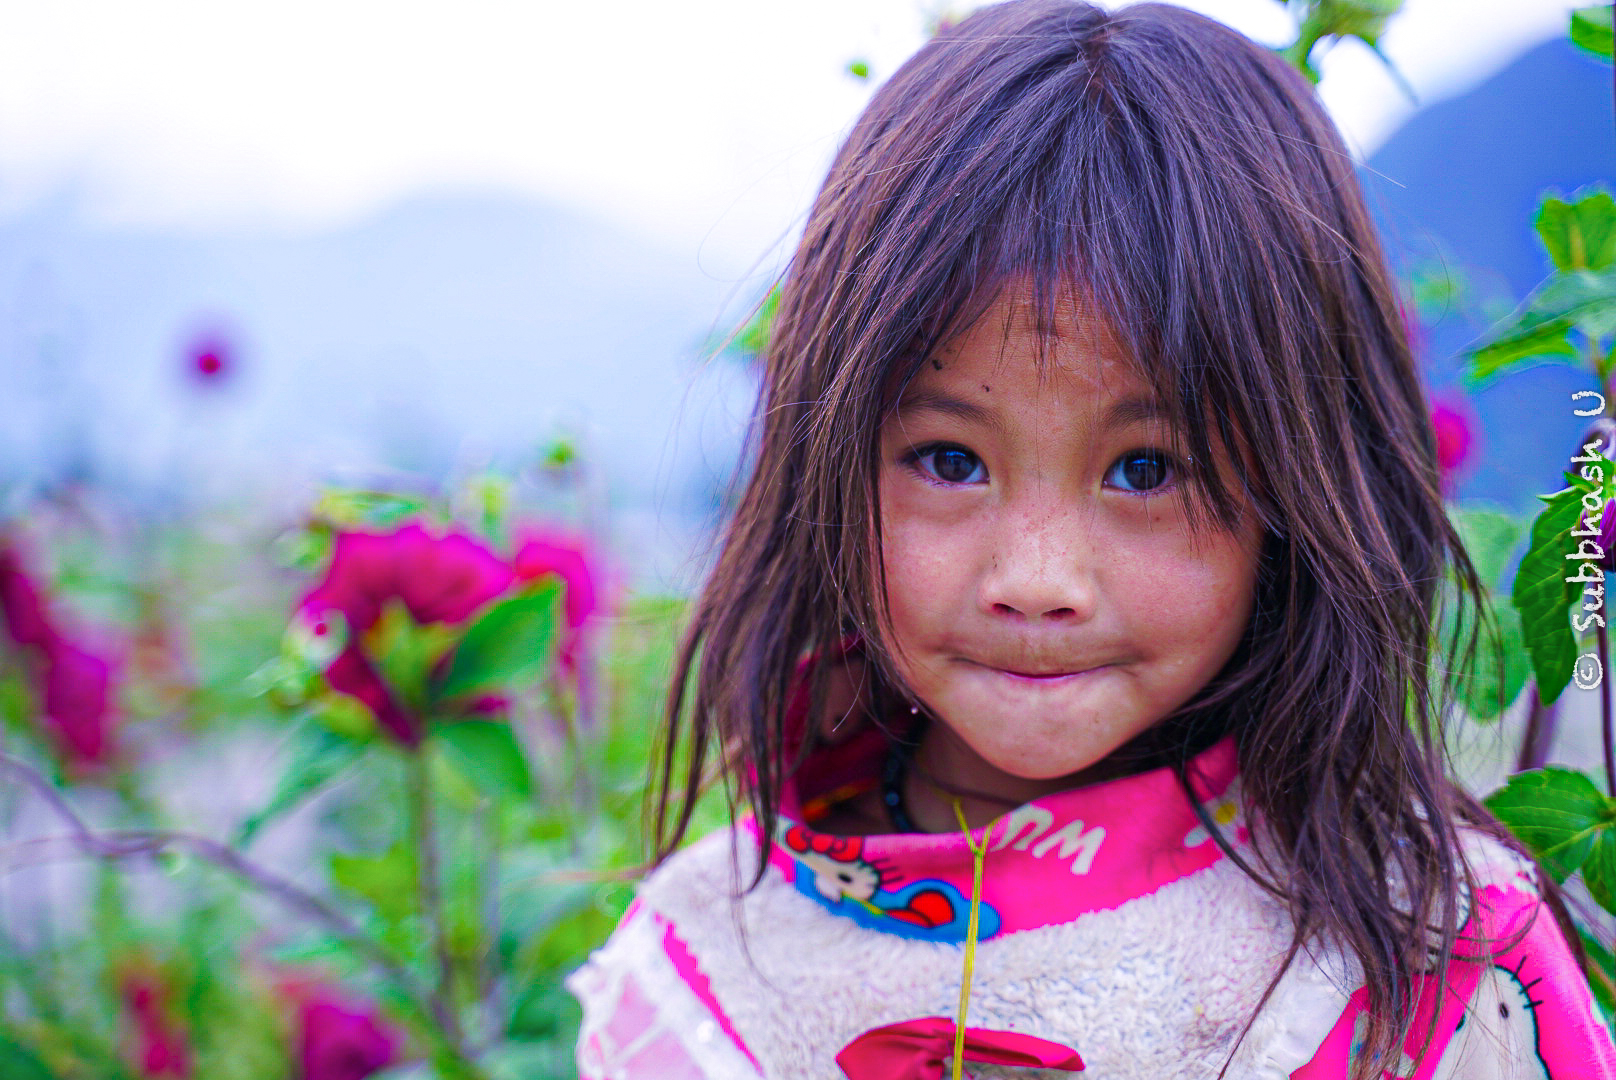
1020, 345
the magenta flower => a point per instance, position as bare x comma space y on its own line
74, 684
543, 553
21, 605
210, 358
78, 702
438, 580
1455, 438
161, 1051
338, 1039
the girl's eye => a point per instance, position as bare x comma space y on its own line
1140, 470
951, 465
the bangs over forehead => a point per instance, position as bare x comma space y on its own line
1138, 165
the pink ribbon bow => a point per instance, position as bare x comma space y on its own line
915, 1049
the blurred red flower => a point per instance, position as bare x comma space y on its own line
210, 357
568, 557
74, 684
439, 579
1455, 437
162, 1051
338, 1038
78, 701
22, 605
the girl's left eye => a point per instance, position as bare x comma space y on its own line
1140, 471
950, 464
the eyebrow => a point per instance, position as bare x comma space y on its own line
1121, 414
1132, 411
924, 400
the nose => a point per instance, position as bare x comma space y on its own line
1042, 570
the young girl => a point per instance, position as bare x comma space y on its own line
1072, 642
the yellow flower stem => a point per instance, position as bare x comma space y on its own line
978, 852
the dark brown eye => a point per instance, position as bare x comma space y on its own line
1140, 471
953, 465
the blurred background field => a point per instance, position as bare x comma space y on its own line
343, 342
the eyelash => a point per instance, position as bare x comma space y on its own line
914, 459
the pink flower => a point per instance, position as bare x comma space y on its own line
1455, 438
543, 553
21, 604
78, 701
210, 357
161, 1050
338, 1039
74, 684
439, 579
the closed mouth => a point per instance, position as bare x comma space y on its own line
1044, 676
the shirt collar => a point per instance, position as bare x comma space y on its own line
1048, 861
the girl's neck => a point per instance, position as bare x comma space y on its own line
942, 767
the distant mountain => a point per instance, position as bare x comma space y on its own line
445, 329
1461, 180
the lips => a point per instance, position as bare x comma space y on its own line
1040, 674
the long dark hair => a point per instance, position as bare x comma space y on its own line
1189, 185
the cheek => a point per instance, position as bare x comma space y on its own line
928, 571
1195, 597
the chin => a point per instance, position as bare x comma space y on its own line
1043, 766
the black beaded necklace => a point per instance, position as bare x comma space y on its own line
892, 774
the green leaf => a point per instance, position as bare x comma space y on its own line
1581, 299
509, 646
388, 880
1521, 349
1543, 597
1580, 234
1591, 29
1500, 669
488, 755
1599, 871
1602, 979
17, 1062
319, 755
1489, 537
753, 338
1556, 812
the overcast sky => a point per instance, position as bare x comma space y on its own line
707, 123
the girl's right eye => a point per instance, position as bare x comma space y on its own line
950, 464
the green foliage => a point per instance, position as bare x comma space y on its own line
386, 880
1319, 20
535, 810
1562, 817
1580, 234
1577, 302
487, 754
508, 646
1541, 594
1501, 665
753, 338
1591, 29
318, 756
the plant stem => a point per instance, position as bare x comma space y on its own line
118, 844
424, 833
490, 821
1539, 737
126, 843
1605, 727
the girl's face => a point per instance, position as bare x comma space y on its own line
1048, 601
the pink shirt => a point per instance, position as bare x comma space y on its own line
1111, 926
